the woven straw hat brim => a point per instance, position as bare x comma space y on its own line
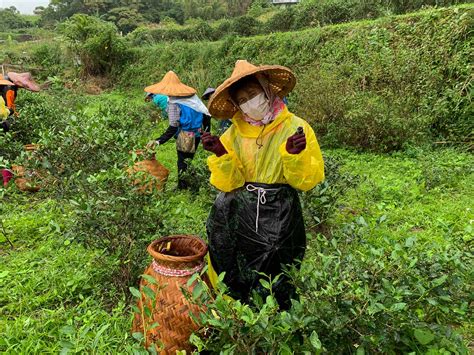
24, 80
281, 80
180, 91
170, 85
6, 82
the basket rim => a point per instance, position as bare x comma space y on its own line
170, 258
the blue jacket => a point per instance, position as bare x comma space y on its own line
190, 120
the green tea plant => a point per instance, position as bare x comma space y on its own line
112, 214
404, 299
320, 203
147, 298
353, 298
197, 176
232, 327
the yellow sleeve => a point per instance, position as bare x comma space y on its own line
226, 170
305, 170
4, 112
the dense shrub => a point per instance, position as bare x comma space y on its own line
79, 138
111, 214
318, 13
141, 36
84, 153
310, 13
320, 203
36, 115
95, 44
284, 20
125, 18
246, 26
50, 57
199, 30
223, 28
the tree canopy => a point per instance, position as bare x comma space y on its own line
129, 14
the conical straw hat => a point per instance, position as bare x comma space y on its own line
4, 81
281, 80
170, 85
24, 80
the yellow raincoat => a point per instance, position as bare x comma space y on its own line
4, 112
258, 154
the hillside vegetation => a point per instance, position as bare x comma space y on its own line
376, 85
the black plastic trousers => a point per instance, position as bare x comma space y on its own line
257, 228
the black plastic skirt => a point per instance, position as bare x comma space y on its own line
257, 228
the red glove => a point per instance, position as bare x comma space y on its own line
213, 144
296, 143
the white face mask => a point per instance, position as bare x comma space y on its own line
257, 107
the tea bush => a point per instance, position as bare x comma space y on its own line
80, 134
353, 298
320, 203
84, 150
113, 215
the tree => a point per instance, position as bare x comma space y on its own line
11, 19
39, 10
238, 7
126, 18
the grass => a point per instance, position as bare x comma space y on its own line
428, 195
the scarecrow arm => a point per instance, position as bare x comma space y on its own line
305, 170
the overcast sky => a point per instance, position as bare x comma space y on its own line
24, 6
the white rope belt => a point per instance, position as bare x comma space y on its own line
261, 199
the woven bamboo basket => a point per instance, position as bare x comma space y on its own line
25, 180
154, 174
175, 259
